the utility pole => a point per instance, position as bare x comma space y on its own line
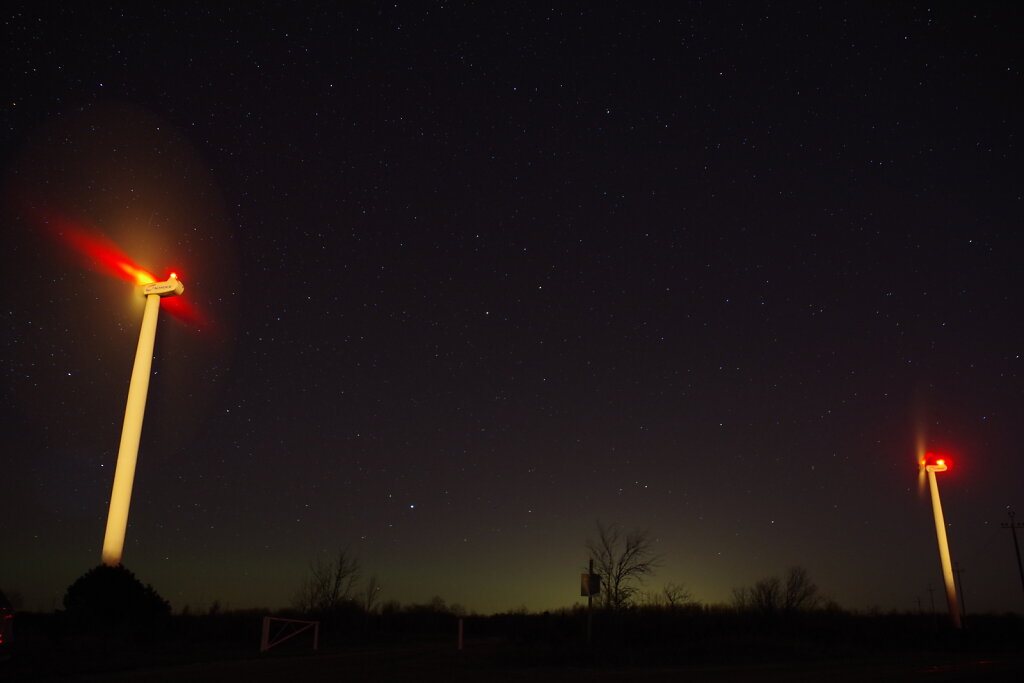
960, 587
590, 601
931, 598
590, 585
1013, 526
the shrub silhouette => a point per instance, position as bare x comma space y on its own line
110, 601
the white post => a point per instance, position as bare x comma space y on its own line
265, 636
131, 432
947, 567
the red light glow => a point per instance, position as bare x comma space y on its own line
100, 253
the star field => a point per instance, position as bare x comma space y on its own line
475, 276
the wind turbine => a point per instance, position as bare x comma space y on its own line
131, 431
929, 464
99, 253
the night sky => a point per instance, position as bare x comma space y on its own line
465, 278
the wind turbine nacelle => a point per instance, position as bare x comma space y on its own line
170, 287
934, 462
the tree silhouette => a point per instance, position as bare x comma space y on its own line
109, 601
330, 585
801, 593
676, 594
371, 594
624, 560
772, 595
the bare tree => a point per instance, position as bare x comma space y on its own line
671, 596
624, 560
801, 593
765, 595
741, 598
371, 594
676, 594
771, 595
329, 585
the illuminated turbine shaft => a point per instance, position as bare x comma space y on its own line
940, 532
128, 452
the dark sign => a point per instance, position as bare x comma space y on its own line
590, 584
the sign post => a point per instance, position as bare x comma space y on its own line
590, 585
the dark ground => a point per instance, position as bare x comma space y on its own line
704, 645
478, 662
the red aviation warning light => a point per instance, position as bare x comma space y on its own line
933, 462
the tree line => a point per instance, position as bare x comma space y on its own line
624, 560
